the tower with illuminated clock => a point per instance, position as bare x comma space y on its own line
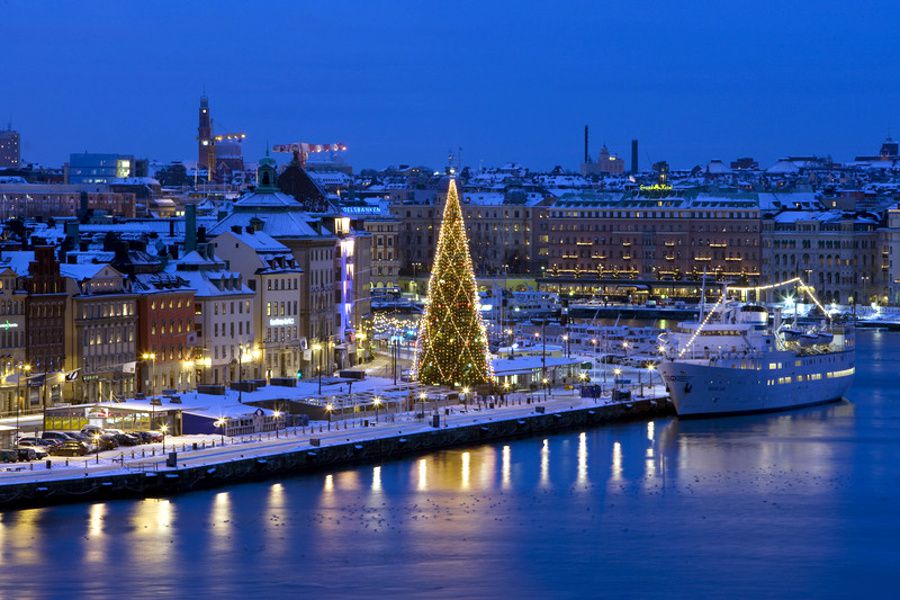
204, 134
452, 347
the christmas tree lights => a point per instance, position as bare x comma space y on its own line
452, 347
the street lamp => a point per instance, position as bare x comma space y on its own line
376, 402
220, 423
151, 358
276, 415
649, 377
465, 392
616, 372
423, 396
25, 369
164, 428
328, 409
316, 348
546, 383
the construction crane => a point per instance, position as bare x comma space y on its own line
222, 137
302, 150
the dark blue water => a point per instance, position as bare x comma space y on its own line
805, 504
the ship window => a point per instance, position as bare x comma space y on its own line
772, 366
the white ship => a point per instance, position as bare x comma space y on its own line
734, 361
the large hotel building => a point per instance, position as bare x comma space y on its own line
651, 242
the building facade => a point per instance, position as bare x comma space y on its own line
101, 332
223, 318
636, 238
10, 149
272, 272
90, 167
165, 335
842, 255
46, 301
29, 200
12, 339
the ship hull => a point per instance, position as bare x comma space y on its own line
700, 389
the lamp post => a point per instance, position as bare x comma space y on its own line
649, 377
164, 428
240, 373
317, 347
220, 423
616, 372
151, 358
422, 397
24, 369
546, 383
328, 409
276, 415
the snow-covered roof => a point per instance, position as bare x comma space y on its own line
525, 364
483, 198
17, 260
81, 271
783, 166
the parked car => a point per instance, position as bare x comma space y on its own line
39, 450
106, 441
44, 443
9, 456
149, 437
71, 448
55, 435
26, 453
124, 439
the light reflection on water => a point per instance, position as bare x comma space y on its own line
797, 503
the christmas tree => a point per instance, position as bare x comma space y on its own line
452, 348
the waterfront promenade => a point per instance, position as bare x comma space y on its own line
210, 452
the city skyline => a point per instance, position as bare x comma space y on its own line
691, 90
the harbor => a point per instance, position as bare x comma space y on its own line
727, 503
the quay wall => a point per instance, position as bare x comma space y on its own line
170, 481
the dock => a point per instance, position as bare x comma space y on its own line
208, 463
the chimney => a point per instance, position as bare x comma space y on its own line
190, 228
634, 157
71, 229
587, 152
83, 204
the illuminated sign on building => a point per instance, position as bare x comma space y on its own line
656, 187
281, 321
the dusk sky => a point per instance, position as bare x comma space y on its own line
405, 82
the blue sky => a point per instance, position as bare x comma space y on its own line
403, 82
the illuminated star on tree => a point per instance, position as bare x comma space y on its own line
452, 348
